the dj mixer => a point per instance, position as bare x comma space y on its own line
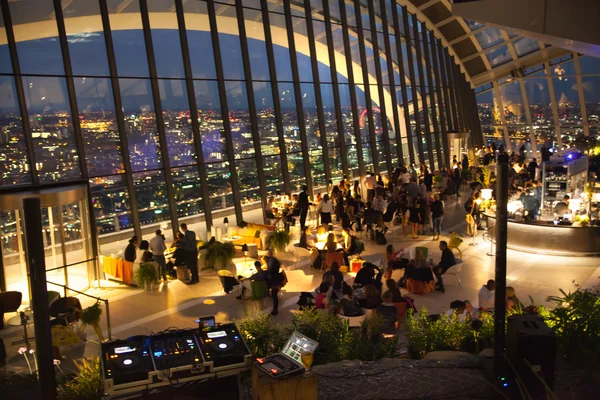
145, 362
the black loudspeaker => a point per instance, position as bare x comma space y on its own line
531, 351
545, 154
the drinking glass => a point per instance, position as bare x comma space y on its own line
307, 359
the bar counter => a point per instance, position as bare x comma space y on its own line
543, 237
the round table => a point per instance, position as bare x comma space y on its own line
231, 238
321, 246
245, 268
23, 319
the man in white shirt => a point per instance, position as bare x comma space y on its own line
405, 178
158, 247
486, 295
379, 203
370, 183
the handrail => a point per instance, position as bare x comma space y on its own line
93, 297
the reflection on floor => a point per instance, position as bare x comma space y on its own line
134, 311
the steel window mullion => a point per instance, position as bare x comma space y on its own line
66, 57
160, 119
317, 84
124, 141
411, 150
275, 95
391, 79
20, 91
382, 108
581, 95
441, 100
352, 89
445, 90
422, 75
298, 95
189, 83
462, 118
365, 73
335, 87
415, 92
235, 189
450, 89
251, 106
434, 107
553, 104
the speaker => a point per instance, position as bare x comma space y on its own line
531, 351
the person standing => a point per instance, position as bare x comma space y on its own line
274, 279
437, 212
486, 295
303, 205
158, 247
130, 249
191, 252
370, 184
457, 178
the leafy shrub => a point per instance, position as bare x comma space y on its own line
326, 328
279, 240
368, 344
336, 340
262, 336
219, 255
576, 322
444, 333
147, 274
87, 384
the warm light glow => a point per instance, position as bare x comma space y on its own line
574, 205
486, 194
514, 206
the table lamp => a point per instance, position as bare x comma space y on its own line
486, 194
226, 222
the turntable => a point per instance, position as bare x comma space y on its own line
126, 363
223, 347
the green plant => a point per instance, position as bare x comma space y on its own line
486, 175
326, 328
368, 344
91, 316
576, 321
262, 336
279, 240
219, 255
147, 274
86, 384
444, 333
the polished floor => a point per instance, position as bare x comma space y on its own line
134, 311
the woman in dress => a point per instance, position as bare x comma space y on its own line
415, 218
325, 209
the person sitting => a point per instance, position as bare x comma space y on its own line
395, 291
338, 279
378, 203
305, 242
486, 295
372, 217
348, 243
388, 311
350, 307
369, 274
458, 309
371, 297
259, 276
347, 217
393, 259
390, 211
269, 212
322, 300
511, 297
130, 250
445, 263
144, 246
331, 244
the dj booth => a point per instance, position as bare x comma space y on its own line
172, 357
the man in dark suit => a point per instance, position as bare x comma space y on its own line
302, 205
191, 252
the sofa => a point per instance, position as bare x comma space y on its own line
252, 233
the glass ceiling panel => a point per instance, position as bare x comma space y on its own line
473, 24
499, 56
525, 46
489, 37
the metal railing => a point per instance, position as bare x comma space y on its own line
108, 328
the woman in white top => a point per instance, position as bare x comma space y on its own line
326, 208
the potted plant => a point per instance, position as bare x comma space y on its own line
279, 240
91, 316
219, 255
147, 275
